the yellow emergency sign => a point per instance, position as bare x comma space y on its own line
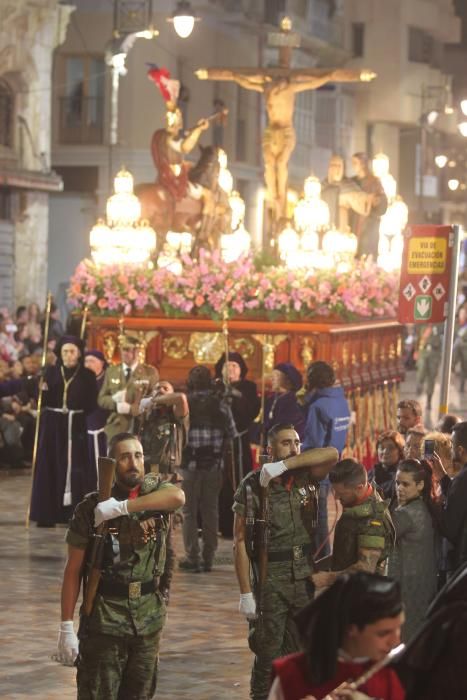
427, 255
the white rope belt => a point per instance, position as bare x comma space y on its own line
70, 413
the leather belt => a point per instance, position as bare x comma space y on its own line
132, 590
297, 552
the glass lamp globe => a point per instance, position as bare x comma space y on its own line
288, 242
312, 187
380, 165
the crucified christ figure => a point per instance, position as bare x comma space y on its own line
280, 85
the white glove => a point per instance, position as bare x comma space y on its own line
144, 404
270, 471
111, 508
247, 606
123, 407
67, 645
119, 395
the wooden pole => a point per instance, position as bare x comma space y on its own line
84, 320
39, 402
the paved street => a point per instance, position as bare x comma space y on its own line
204, 651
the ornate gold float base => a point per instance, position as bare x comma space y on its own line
366, 356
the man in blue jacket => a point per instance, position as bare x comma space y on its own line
327, 424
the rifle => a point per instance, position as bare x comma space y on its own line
262, 542
39, 401
106, 468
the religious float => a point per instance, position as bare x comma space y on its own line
173, 264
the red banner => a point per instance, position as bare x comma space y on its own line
425, 274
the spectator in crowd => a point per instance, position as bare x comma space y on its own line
447, 422
413, 561
282, 405
364, 534
21, 316
211, 424
11, 447
443, 448
55, 327
414, 440
390, 450
453, 517
409, 415
327, 425
245, 404
33, 341
344, 632
8, 347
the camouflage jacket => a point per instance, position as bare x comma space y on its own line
141, 383
367, 525
292, 517
134, 550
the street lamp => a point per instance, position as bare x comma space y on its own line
124, 237
183, 19
453, 184
463, 128
464, 107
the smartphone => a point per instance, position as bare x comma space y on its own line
429, 448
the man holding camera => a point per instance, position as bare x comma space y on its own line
211, 425
276, 513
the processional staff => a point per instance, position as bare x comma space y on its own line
84, 320
226, 380
39, 401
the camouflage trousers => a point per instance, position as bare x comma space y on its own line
275, 634
118, 668
427, 371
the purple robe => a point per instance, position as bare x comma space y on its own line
283, 408
64, 473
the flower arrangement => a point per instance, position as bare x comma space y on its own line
211, 287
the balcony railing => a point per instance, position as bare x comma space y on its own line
81, 120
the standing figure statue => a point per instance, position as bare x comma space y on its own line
343, 194
366, 226
280, 84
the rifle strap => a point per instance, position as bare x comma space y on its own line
250, 522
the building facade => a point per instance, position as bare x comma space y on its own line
404, 42
29, 33
231, 34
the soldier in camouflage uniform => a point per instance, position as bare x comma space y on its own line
429, 359
124, 386
291, 521
119, 641
365, 534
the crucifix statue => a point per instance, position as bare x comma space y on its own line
280, 84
